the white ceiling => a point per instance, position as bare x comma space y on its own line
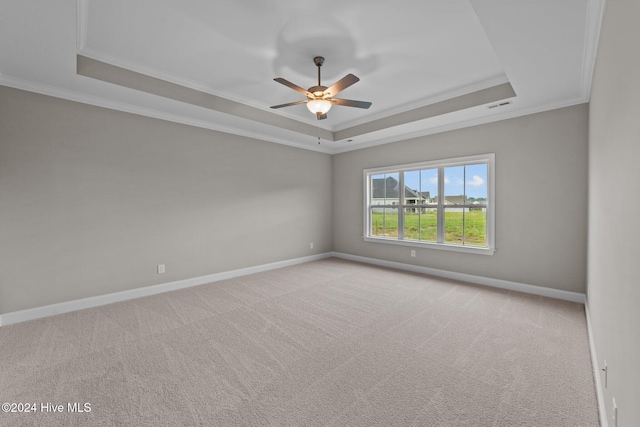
408, 54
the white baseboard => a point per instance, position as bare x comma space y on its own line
79, 304
478, 280
602, 409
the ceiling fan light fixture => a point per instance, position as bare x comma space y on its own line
319, 106
321, 98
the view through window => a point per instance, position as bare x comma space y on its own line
448, 202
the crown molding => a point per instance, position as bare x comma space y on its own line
465, 124
124, 77
439, 97
133, 109
463, 102
130, 65
595, 12
114, 74
122, 62
82, 18
147, 112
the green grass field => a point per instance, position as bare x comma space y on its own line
470, 225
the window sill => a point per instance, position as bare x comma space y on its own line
438, 246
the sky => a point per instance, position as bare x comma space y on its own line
458, 180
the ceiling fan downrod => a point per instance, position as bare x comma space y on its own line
318, 60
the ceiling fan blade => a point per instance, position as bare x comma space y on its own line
351, 103
293, 86
289, 104
321, 116
341, 84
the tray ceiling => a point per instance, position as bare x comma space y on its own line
426, 66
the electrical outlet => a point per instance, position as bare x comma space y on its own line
311, 245
161, 269
413, 253
615, 413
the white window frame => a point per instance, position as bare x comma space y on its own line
489, 159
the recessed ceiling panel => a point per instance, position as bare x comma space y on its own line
415, 60
405, 52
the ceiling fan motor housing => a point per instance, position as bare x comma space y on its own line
318, 91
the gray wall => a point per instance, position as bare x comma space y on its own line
91, 200
614, 208
541, 195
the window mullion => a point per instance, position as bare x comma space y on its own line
369, 213
440, 218
464, 193
401, 205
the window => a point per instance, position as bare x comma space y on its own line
445, 204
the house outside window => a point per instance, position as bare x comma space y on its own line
444, 204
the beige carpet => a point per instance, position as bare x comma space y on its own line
325, 343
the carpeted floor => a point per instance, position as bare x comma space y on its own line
330, 342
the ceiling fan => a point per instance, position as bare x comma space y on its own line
320, 98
